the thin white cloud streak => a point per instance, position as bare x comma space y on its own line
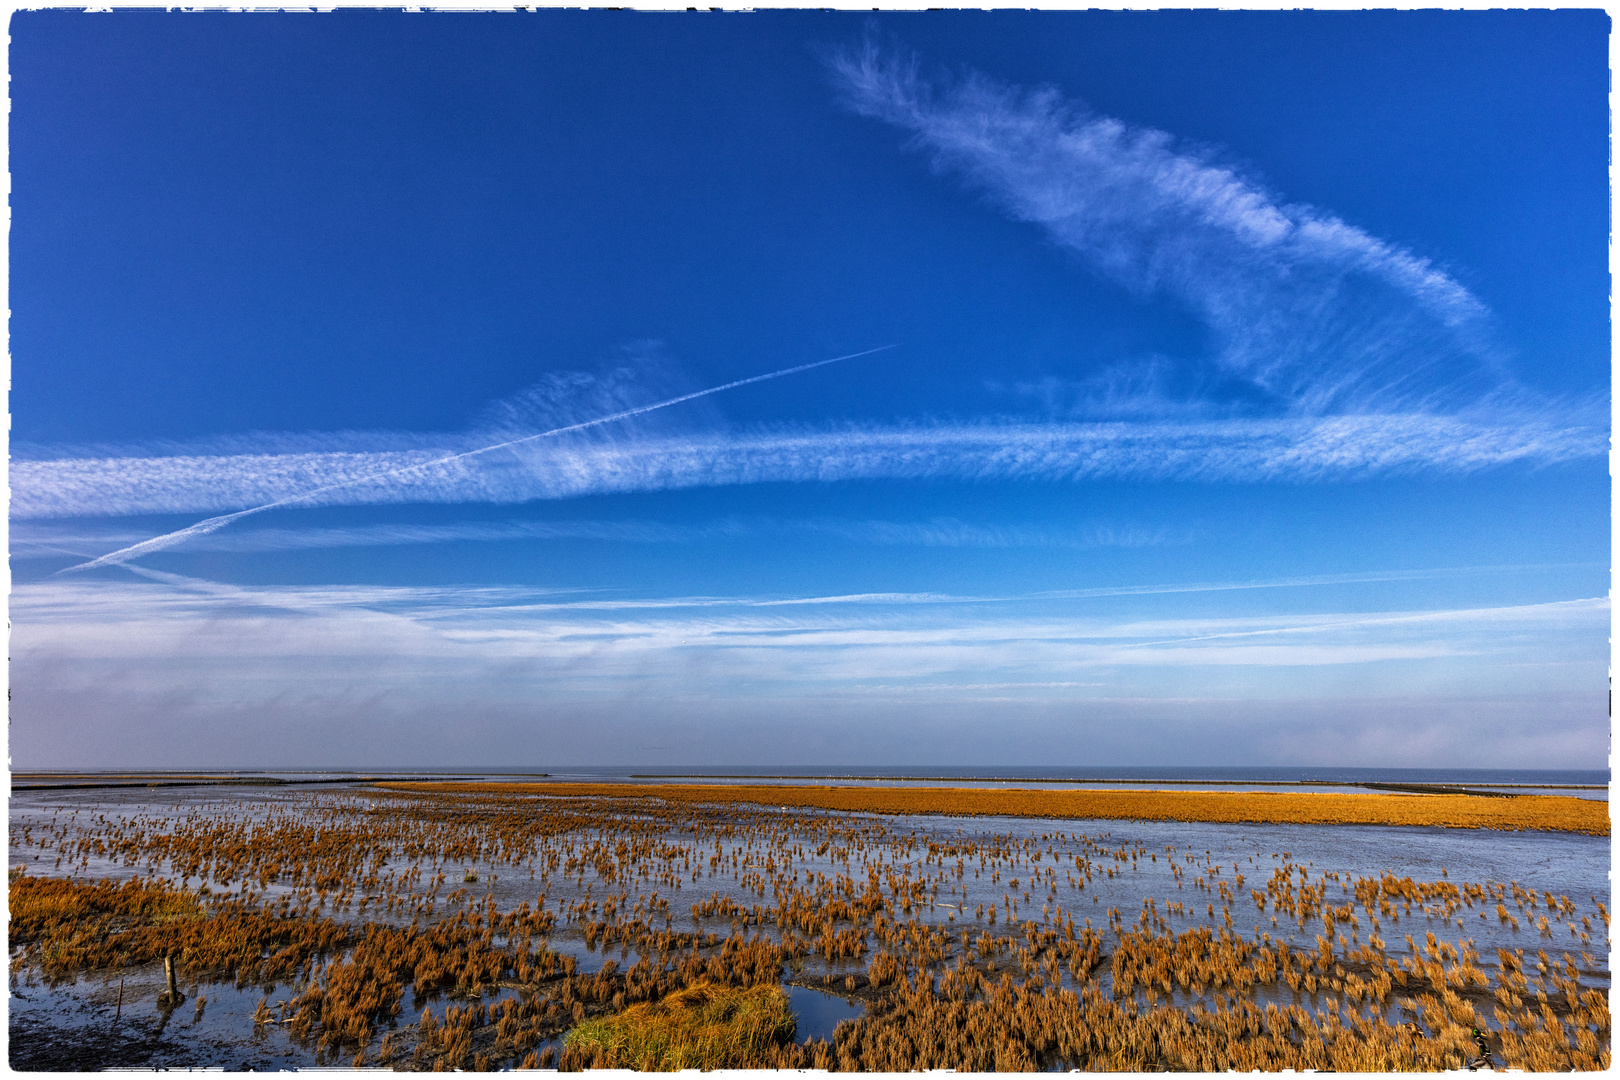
202, 528
1360, 578
1314, 313
1537, 612
1291, 450
32, 539
1371, 577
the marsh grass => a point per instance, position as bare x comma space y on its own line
41, 906
65, 926
701, 1027
1542, 812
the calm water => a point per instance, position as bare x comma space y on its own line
1579, 783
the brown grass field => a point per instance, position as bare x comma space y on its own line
1557, 813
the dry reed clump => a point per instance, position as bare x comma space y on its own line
568, 997
357, 992
1547, 812
701, 1027
65, 927
965, 1021
42, 905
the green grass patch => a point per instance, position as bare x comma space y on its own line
701, 1027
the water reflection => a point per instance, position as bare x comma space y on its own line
820, 1012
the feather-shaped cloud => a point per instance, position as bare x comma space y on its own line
1316, 315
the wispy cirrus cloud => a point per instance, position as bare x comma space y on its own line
47, 539
1335, 355
1312, 314
1284, 449
517, 442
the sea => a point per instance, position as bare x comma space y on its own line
1578, 783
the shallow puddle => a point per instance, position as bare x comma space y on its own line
820, 1012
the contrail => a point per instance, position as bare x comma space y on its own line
168, 540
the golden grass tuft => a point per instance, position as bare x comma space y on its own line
42, 905
67, 926
701, 1027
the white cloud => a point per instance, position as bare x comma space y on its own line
1318, 316
1358, 357
1234, 450
49, 539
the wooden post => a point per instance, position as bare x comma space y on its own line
172, 996
120, 1010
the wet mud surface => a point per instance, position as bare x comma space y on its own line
81, 1028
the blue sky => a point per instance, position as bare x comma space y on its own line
1248, 397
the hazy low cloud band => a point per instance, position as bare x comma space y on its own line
228, 671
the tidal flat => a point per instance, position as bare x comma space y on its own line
490, 926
